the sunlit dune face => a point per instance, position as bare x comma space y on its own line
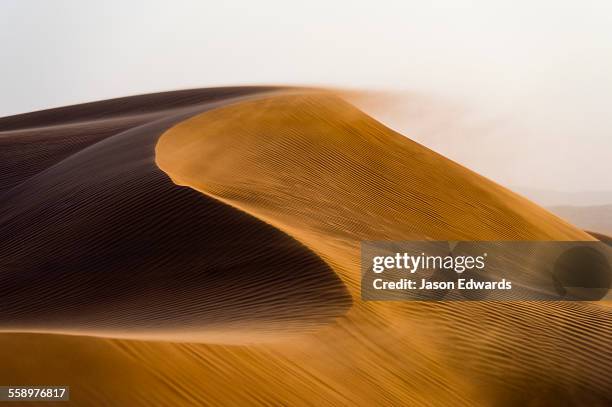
330, 176
233, 220
316, 164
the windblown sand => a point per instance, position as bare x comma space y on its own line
232, 220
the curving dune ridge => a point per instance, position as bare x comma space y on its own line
129, 254
234, 220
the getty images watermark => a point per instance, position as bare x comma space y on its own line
493, 271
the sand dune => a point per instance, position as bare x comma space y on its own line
131, 255
289, 182
31, 142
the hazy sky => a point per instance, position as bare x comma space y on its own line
517, 90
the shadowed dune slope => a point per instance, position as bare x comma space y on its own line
31, 142
127, 106
103, 243
293, 181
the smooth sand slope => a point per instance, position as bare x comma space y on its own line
235, 222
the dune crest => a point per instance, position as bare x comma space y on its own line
330, 176
162, 215
321, 170
117, 250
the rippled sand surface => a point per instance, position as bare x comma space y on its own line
202, 247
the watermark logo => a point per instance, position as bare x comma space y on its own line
493, 271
